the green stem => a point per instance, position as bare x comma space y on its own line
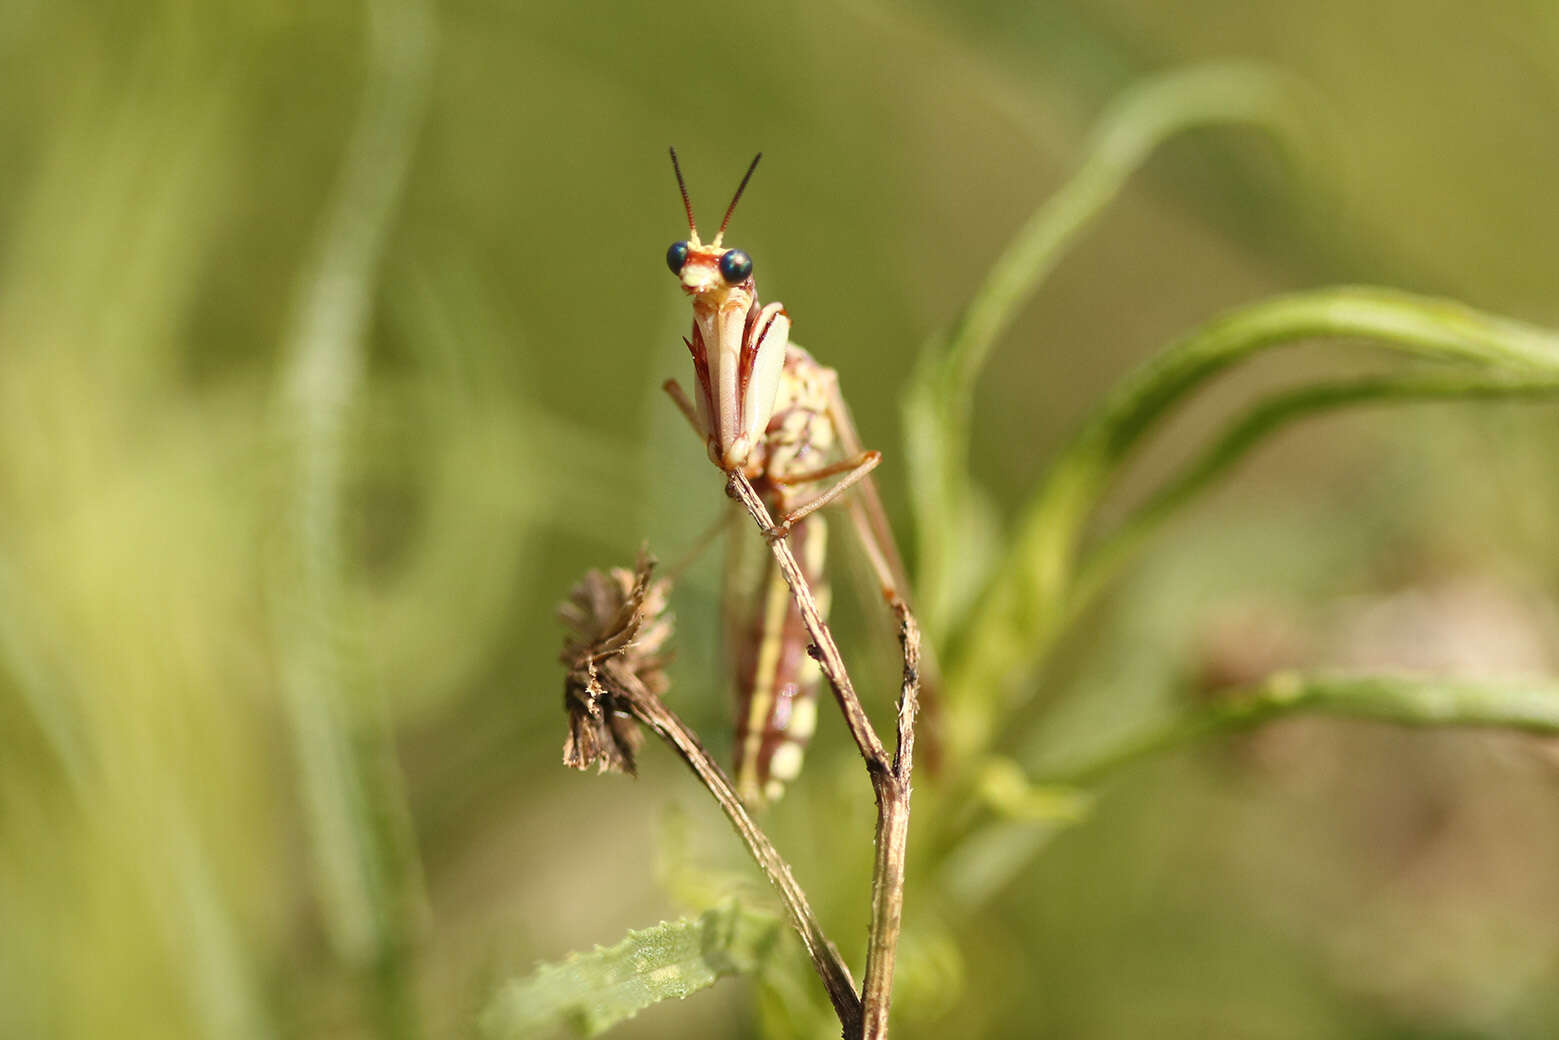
985, 858
1404, 700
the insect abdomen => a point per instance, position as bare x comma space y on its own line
776, 679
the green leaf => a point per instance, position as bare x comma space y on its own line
591, 992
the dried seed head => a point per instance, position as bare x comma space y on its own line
619, 614
618, 629
599, 730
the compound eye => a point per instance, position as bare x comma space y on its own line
676, 257
735, 266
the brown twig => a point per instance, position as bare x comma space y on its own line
890, 779
824, 649
627, 692
893, 791
615, 654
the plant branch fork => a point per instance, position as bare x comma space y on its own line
890, 776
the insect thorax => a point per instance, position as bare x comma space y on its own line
800, 435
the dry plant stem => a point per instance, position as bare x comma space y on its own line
893, 791
890, 779
649, 710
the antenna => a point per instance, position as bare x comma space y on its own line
736, 198
687, 204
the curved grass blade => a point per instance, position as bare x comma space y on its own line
1269, 417
1026, 604
939, 401
366, 874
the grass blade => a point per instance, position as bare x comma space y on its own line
938, 404
1269, 417
1026, 604
1528, 706
365, 867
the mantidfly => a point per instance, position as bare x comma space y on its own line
765, 408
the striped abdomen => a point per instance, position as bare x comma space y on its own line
776, 680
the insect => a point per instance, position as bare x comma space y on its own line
766, 408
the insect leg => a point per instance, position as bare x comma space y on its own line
870, 521
865, 508
868, 459
855, 470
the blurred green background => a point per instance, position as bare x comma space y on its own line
331, 337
